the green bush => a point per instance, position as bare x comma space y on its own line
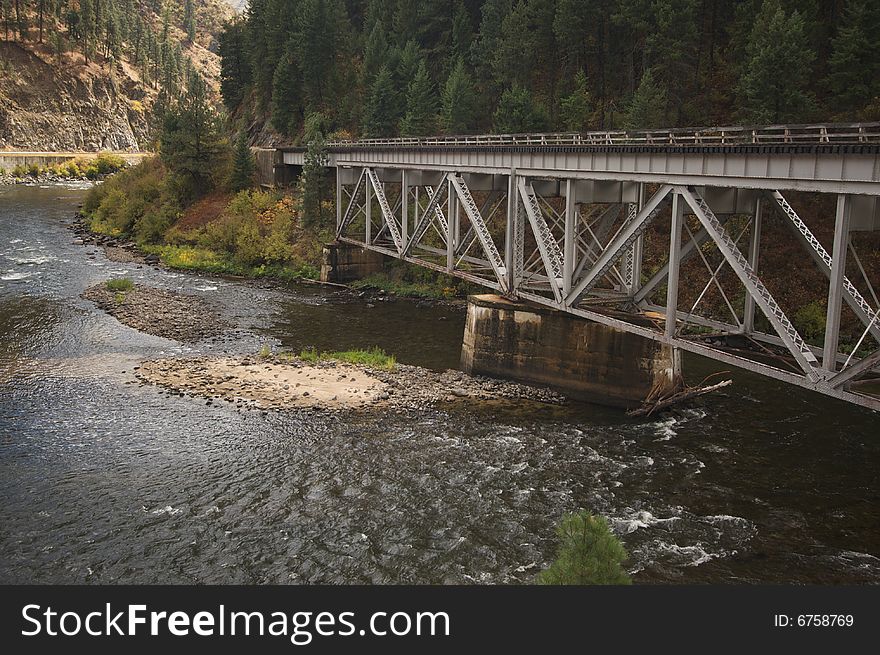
589, 554
810, 321
107, 163
19, 171
34, 170
120, 284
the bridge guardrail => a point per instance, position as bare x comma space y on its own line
818, 134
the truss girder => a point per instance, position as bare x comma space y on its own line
762, 296
551, 254
624, 239
480, 228
424, 221
352, 205
597, 254
824, 260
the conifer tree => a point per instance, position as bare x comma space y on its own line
855, 58
380, 107
458, 110
421, 106
189, 20
577, 108
243, 166
518, 113
648, 105
774, 84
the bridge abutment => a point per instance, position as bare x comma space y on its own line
585, 360
343, 262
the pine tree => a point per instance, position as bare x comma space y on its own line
589, 554
774, 84
191, 142
458, 106
314, 176
189, 20
577, 109
855, 59
381, 106
286, 97
235, 73
375, 52
518, 113
421, 106
648, 105
243, 166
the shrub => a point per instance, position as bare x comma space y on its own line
2, 171
111, 217
810, 321
107, 163
19, 171
33, 170
589, 554
72, 170
120, 284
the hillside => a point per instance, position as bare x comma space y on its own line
414, 67
90, 81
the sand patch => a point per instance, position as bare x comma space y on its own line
268, 384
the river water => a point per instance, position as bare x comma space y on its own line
103, 480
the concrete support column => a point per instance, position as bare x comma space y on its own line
674, 264
835, 283
754, 261
586, 360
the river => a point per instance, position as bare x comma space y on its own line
105, 480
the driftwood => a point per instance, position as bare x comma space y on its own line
655, 404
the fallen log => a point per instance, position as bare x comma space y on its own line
649, 408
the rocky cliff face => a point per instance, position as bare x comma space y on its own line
50, 108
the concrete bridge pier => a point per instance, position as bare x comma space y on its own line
585, 360
343, 262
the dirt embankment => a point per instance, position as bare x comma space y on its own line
159, 312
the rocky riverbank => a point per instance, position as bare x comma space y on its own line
277, 383
121, 251
159, 312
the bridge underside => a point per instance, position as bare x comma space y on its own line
618, 252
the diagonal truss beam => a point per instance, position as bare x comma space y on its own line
688, 250
862, 366
441, 222
425, 220
822, 257
547, 244
387, 214
352, 205
762, 296
480, 228
624, 239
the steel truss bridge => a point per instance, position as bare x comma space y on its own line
572, 222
